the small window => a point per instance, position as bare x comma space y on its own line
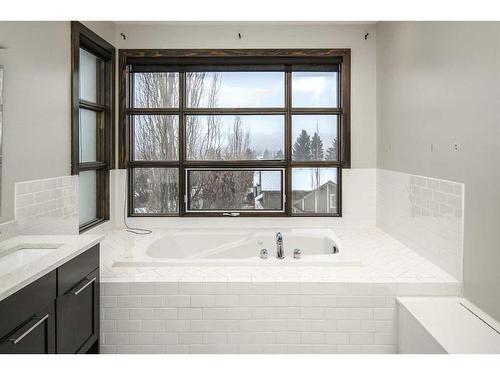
92, 122
220, 190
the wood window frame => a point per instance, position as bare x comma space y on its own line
83, 37
160, 59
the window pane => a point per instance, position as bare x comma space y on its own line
314, 89
89, 67
235, 89
235, 190
230, 137
314, 190
314, 137
156, 137
155, 190
88, 135
155, 90
87, 188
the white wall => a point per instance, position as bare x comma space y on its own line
439, 83
37, 102
37, 97
282, 35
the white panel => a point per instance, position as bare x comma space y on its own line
88, 196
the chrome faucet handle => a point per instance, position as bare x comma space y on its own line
279, 236
263, 254
297, 253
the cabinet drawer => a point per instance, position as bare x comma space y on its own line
78, 315
72, 272
35, 336
18, 308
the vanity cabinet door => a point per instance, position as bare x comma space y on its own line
27, 318
78, 316
36, 336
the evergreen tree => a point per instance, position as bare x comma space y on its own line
332, 152
278, 155
317, 147
302, 147
266, 155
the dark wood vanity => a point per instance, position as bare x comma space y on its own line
57, 313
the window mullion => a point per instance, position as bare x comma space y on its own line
182, 143
288, 141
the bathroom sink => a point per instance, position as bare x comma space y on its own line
20, 255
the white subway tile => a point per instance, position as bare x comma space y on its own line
108, 326
312, 338
177, 301
336, 338
108, 301
239, 313
116, 338
227, 300
115, 314
264, 337
190, 313
166, 288
165, 338
324, 325
288, 337
215, 338
203, 301
360, 313
384, 313
203, 325
348, 325
141, 338
239, 338
128, 301
312, 313
165, 313
116, 289
153, 325
152, 301
141, 314
214, 313
190, 338
325, 300
141, 288
128, 326
177, 325
358, 338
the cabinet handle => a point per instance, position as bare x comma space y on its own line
78, 289
39, 320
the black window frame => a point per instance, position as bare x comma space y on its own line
287, 60
84, 38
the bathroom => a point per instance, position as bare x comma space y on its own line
260, 187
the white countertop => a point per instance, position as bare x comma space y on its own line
453, 325
70, 247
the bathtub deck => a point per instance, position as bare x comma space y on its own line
384, 260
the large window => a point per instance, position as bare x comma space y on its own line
235, 132
92, 122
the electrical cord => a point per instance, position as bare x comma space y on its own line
140, 231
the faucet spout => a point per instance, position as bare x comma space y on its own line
280, 254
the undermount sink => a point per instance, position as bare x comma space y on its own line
18, 256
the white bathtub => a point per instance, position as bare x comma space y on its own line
236, 247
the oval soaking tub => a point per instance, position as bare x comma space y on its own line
238, 247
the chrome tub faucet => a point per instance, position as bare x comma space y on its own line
280, 254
